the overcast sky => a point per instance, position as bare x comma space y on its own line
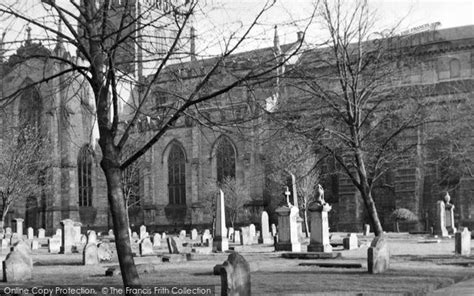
227, 14
291, 16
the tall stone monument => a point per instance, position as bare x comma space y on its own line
19, 227
288, 227
318, 210
67, 236
444, 224
220, 242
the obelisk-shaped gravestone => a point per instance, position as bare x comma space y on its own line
220, 242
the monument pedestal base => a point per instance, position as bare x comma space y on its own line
220, 244
293, 247
320, 248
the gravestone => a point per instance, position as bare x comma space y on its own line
440, 223
18, 265
366, 229
135, 236
142, 231
146, 247
236, 237
19, 226
350, 242
449, 214
77, 232
41, 233
462, 242
111, 232
157, 240
91, 237
206, 235
68, 236
266, 236
34, 244
163, 235
8, 231
174, 245
59, 232
288, 229
274, 230
5, 243
235, 276
24, 248
104, 252
378, 255
30, 233
253, 233
83, 239
182, 234
220, 242
319, 239
54, 244
90, 254
194, 234
245, 238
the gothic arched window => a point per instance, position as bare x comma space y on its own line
176, 176
84, 167
225, 155
30, 109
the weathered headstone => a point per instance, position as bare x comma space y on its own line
157, 240
220, 242
235, 276
236, 237
194, 234
90, 254
59, 232
378, 255
319, 241
206, 235
449, 213
54, 244
68, 237
8, 231
146, 247
462, 242
265, 232
15, 238
366, 229
142, 231
91, 237
30, 233
253, 233
104, 252
18, 265
163, 235
83, 239
41, 233
245, 238
111, 232
135, 236
287, 229
182, 234
350, 242
174, 245
77, 232
5, 243
25, 249
34, 244
19, 226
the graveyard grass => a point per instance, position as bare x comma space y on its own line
416, 268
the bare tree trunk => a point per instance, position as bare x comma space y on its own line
305, 217
367, 194
111, 167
